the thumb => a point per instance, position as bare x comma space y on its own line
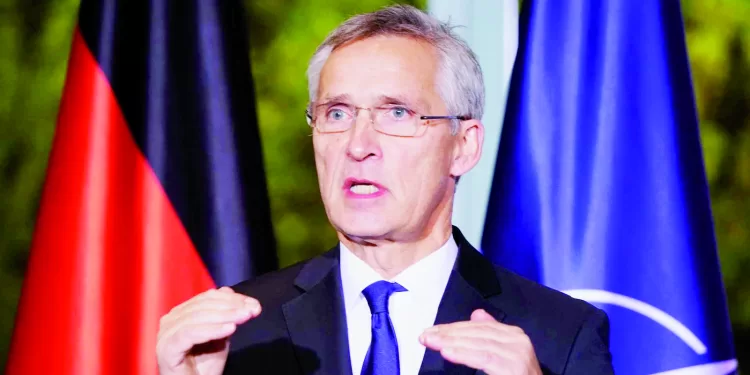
480, 315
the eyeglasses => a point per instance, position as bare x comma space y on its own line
395, 120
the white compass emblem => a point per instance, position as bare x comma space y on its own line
665, 320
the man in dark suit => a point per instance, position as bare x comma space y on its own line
395, 106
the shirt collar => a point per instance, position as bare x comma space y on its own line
356, 275
425, 278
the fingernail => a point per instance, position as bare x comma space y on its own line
433, 338
432, 329
251, 307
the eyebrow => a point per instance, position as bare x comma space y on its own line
382, 99
341, 98
419, 105
387, 99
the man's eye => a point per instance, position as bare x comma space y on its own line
336, 114
399, 112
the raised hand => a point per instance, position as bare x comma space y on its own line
194, 336
484, 344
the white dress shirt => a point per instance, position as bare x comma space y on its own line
411, 312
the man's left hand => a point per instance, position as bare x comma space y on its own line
484, 344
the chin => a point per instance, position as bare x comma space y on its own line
363, 226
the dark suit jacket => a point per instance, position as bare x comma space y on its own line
302, 329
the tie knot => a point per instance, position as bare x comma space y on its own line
377, 295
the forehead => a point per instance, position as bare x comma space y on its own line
381, 66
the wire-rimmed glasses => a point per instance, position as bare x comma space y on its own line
393, 119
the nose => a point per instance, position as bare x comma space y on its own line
363, 139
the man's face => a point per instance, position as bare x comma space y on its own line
406, 182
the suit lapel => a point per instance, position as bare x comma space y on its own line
472, 284
317, 320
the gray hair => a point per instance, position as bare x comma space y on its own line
459, 79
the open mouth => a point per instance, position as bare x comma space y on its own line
362, 187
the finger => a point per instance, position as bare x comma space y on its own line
249, 305
486, 343
174, 347
478, 359
206, 317
470, 323
198, 299
480, 315
498, 330
224, 294
202, 333
226, 289
175, 341
231, 312
439, 342
518, 353
508, 360
216, 298
476, 332
210, 316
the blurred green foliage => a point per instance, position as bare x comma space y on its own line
34, 45
35, 41
718, 39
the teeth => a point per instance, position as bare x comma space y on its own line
363, 189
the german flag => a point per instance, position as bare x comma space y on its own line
155, 189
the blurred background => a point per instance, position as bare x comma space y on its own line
35, 38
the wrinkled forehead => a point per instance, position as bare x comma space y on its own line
369, 71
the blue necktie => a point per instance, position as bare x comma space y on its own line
382, 357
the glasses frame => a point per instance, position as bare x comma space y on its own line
311, 121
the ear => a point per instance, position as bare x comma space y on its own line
467, 148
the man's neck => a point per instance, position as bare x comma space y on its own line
388, 258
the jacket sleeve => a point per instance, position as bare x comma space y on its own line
590, 353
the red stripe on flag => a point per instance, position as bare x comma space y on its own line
109, 254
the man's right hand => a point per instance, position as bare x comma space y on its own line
194, 336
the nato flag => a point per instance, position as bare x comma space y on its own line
599, 188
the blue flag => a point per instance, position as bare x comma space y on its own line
599, 188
